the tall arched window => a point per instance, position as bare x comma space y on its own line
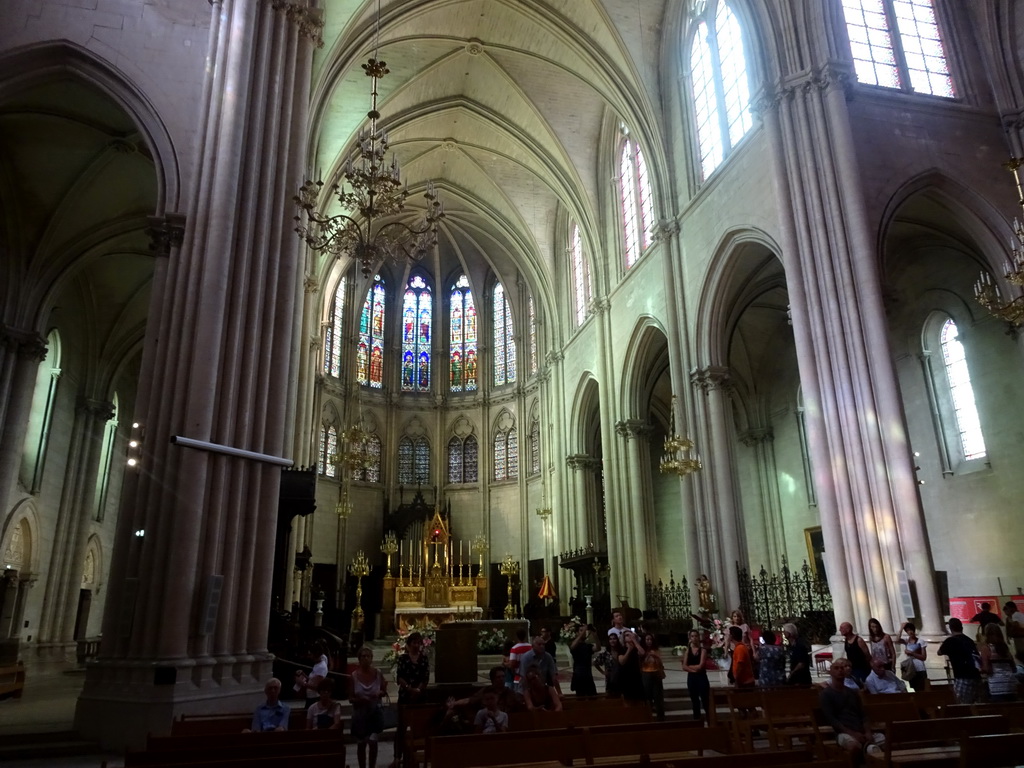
333, 339
535, 447
506, 455
531, 318
413, 461
720, 88
405, 461
897, 44
462, 460
44, 398
371, 473
580, 275
504, 339
417, 314
972, 442
106, 462
462, 321
328, 449
370, 352
637, 202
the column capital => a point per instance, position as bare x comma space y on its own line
554, 356
757, 436
28, 345
311, 285
666, 229
165, 232
310, 21
633, 428
101, 410
711, 377
578, 461
600, 305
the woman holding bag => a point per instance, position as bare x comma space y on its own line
917, 653
368, 688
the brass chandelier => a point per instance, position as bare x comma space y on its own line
676, 460
371, 194
986, 292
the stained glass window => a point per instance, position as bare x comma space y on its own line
370, 351
328, 448
532, 319
637, 204
968, 424
463, 325
455, 460
504, 339
405, 461
506, 455
897, 44
513, 454
470, 456
334, 336
417, 313
535, 447
720, 87
371, 474
580, 275
422, 461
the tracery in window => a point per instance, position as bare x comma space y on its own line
964, 407
328, 449
897, 44
334, 336
421, 461
535, 447
531, 316
580, 275
637, 202
371, 473
370, 352
720, 87
506, 455
405, 461
504, 339
417, 314
463, 325
462, 460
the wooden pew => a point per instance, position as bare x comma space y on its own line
199, 725
324, 760
759, 759
1003, 750
933, 742
882, 709
542, 748
610, 746
207, 741
790, 718
12, 680
198, 750
579, 717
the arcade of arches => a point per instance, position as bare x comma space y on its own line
736, 217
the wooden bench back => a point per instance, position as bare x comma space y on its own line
882, 708
578, 717
198, 725
900, 733
650, 741
497, 749
1003, 750
759, 759
175, 743
257, 748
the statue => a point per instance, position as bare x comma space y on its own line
705, 599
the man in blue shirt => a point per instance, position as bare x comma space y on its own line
273, 715
539, 656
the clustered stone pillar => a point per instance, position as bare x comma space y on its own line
872, 521
637, 524
21, 352
185, 626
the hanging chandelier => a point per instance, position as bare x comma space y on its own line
371, 199
675, 459
986, 292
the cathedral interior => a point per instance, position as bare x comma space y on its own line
709, 286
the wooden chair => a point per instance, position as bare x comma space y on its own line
12, 680
789, 713
882, 709
934, 742
994, 751
747, 715
662, 739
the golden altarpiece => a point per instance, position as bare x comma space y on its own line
434, 582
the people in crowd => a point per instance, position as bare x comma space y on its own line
1014, 626
842, 710
880, 644
618, 624
311, 683
368, 688
538, 692
857, 652
799, 656
984, 617
538, 655
652, 670
324, 713
607, 663
916, 650
412, 673
882, 679
550, 645
742, 661
272, 715
998, 665
515, 659
582, 650
965, 661
490, 718
771, 661
697, 683
737, 619
630, 676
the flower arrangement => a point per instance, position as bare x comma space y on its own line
719, 637
570, 629
390, 657
490, 641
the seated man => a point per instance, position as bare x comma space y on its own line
842, 709
490, 719
273, 714
882, 680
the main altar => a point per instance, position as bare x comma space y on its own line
436, 581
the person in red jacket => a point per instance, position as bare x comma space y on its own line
742, 663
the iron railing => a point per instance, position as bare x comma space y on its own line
670, 601
770, 599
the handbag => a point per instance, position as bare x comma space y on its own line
907, 670
388, 714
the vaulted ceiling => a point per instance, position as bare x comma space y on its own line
505, 104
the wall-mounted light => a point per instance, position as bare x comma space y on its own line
138, 432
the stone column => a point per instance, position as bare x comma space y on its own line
21, 352
222, 357
74, 514
638, 520
724, 530
871, 516
762, 440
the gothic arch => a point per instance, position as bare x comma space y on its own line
586, 403
23, 520
646, 361
92, 567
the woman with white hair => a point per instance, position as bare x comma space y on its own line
799, 657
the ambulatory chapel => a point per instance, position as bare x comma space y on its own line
435, 308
